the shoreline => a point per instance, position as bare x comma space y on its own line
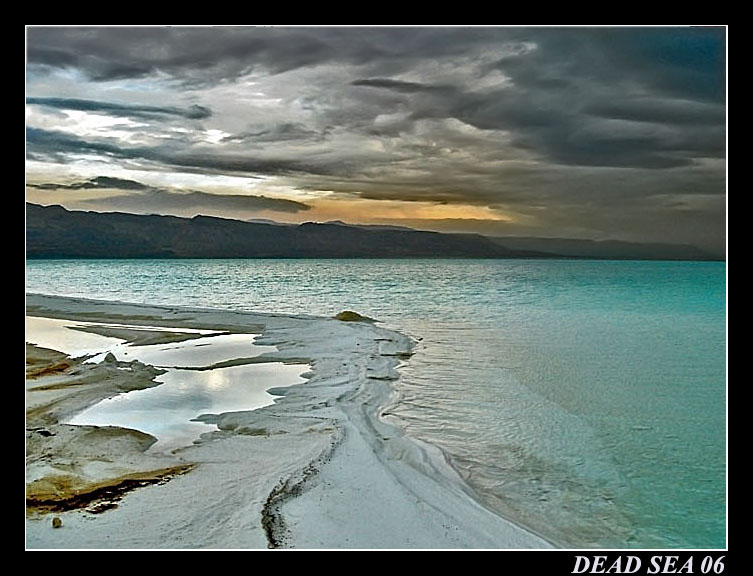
331, 471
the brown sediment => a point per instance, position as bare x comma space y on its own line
68, 492
41, 361
54, 368
58, 386
251, 431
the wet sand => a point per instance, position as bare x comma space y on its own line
318, 469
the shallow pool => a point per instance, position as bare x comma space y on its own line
189, 387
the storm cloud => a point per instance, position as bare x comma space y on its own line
601, 132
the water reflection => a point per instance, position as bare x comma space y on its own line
166, 411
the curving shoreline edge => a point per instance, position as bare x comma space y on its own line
329, 472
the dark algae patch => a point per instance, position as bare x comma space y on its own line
350, 316
63, 493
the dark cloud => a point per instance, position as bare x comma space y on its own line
562, 93
195, 54
578, 134
559, 79
583, 129
53, 145
659, 111
277, 133
58, 146
211, 54
194, 112
526, 188
195, 202
100, 182
399, 85
676, 62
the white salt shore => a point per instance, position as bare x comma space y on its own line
318, 469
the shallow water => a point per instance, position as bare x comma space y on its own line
194, 353
167, 411
586, 399
55, 334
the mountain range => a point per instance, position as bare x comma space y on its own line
55, 232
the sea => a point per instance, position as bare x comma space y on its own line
584, 399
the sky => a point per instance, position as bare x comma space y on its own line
599, 133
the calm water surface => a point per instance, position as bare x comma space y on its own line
585, 399
191, 384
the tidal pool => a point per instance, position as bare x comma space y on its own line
190, 386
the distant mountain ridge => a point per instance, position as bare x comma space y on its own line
55, 232
606, 249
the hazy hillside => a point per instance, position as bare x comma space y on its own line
606, 249
54, 232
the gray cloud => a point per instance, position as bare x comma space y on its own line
143, 198
676, 61
58, 146
100, 182
583, 129
194, 112
562, 95
54, 145
277, 133
399, 85
566, 77
210, 54
670, 62
195, 202
659, 111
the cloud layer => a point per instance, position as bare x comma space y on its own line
606, 133
159, 200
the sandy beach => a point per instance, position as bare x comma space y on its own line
321, 467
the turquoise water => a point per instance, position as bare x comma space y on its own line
585, 399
